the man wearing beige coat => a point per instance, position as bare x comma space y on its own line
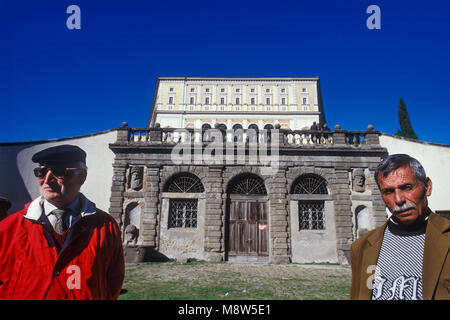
407, 258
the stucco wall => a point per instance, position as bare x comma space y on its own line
19, 185
434, 158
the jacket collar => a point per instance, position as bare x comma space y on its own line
35, 211
436, 249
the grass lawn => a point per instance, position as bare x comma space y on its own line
199, 280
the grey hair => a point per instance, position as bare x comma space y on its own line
395, 161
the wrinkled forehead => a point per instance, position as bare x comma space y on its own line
399, 175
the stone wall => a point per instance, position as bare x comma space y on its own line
333, 162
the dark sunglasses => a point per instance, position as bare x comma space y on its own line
59, 172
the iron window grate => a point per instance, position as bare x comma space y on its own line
183, 213
311, 215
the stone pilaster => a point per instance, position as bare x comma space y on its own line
214, 215
151, 207
117, 190
279, 218
343, 214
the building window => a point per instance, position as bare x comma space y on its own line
237, 101
222, 90
283, 100
207, 90
268, 90
311, 215
267, 100
207, 100
247, 184
170, 100
192, 89
305, 100
283, 90
192, 100
171, 89
238, 90
303, 89
183, 213
222, 100
252, 90
252, 101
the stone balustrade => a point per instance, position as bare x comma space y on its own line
286, 138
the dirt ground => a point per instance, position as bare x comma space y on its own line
204, 280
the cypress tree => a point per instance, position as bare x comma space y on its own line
406, 129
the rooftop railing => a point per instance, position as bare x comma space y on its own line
286, 137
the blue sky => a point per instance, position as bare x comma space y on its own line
57, 83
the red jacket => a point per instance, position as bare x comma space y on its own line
90, 265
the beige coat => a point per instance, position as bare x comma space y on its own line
436, 260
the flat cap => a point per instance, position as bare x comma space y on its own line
60, 154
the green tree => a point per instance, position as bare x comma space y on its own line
406, 129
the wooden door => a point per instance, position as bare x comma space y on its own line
248, 228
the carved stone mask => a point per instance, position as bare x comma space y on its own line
136, 178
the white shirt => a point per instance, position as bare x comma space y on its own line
69, 218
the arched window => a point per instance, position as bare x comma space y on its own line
183, 212
253, 133
311, 213
247, 184
309, 184
268, 135
205, 134
184, 183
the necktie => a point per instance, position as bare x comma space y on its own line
59, 227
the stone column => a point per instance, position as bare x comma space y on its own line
117, 190
379, 208
343, 214
279, 218
214, 215
151, 206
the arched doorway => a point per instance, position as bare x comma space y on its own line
247, 221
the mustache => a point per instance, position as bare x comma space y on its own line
404, 207
54, 187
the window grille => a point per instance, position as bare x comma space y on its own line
311, 215
310, 184
184, 183
183, 213
249, 185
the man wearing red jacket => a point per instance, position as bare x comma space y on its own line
60, 246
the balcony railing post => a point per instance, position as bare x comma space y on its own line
123, 133
338, 135
372, 137
155, 135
